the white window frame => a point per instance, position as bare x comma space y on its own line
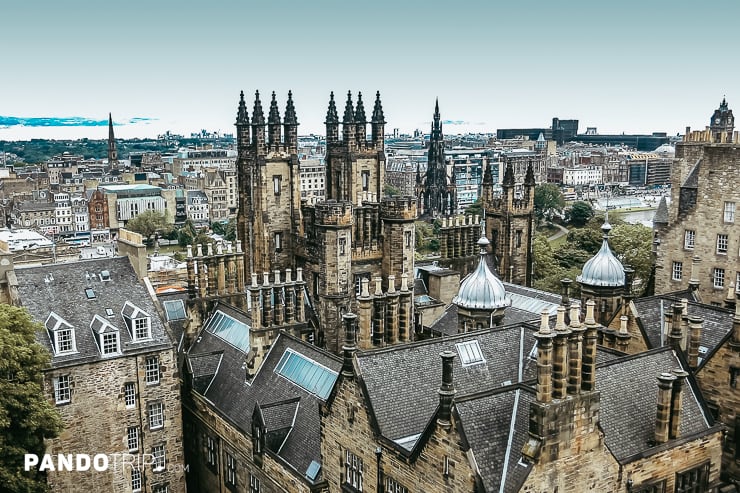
155, 411
470, 353
129, 395
254, 484
63, 389
353, 470
132, 438
151, 370
159, 458
729, 212
230, 470
689, 239
722, 243
105, 343
718, 277
69, 342
135, 480
677, 271
211, 450
142, 328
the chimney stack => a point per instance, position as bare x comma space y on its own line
674, 337
695, 328
623, 336
589, 349
575, 350
349, 347
447, 390
694, 280
735, 343
560, 356
663, 418
544, 358
676, 402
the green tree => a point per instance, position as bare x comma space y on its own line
548, 199
586, 239
391, 191
632, 244
474, 209
26, 416
227, 230
148, 223
580, 213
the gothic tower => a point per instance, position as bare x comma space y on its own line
269, 185
722, 121
436, 193
510, 225
112, 151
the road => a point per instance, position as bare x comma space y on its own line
562, 231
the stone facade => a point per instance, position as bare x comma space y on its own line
701, 223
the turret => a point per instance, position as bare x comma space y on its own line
332, 121
348, 123
258, 125
290, 125
273, 124
242, 126
378, 124
360, 123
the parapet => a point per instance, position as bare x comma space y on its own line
399, 208
334, 213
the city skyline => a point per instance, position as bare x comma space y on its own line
624, 67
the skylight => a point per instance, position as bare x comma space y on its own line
174, 309
230, 330
306, 373
90, 293
313, 470
470, 353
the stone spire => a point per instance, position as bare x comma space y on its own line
348, 123
273, 122
258, 117
378, 116
112, 151
258, 124
359, 110
332, 121
242, 117
437, 122
349, 114
290, 116
290, 124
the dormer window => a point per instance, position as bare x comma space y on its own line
138, 322
61, 334
107, 336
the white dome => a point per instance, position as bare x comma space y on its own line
481, 289
603, 269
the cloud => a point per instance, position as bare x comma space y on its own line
71, 121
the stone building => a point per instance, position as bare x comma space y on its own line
437, 192
352, 236
722, 121
113, 377
510, 225
587, 423
701, 221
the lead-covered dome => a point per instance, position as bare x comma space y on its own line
481, 289
603, 269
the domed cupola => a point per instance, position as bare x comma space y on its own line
482, 298
603, 269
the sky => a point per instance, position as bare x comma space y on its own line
621, 66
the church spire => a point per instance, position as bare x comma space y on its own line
112, 151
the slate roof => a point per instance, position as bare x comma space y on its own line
235, 398
661, 213
717, 321
629, 389
692, 180
61, 288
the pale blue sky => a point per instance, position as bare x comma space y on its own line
632, 66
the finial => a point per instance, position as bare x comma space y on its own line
242, 118
258, 117
360, 110
331, 114
349, 114
274, 118
290, 118
378, 110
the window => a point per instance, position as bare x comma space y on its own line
407, 235
254, 484
688, 239
677, 271
277, 182
211, 451
722, 244
156, 415
110, 343
90, 293
693, 480
142, 328
734, 373
358, 281
470, 353
151, 370
278, 242
352, 470
129, 394
63, 389
656, 487
393, 486
365, 181
342, 245
65, 341
230, 470
132, 438
306, 373
158, 459
729, 212
718, 276
135, 480
518, 238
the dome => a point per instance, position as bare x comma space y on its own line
666, 150
481, 289
603, 269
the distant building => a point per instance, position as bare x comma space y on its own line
722, 121
436, 191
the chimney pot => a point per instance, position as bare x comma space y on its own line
447, 389
299, 274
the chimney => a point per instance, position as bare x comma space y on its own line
349, 347
544, 358
663, 417
623, 336
695, 328
730, 300
676, 402
735, 343
674, 338
446, 390
694, 280
575, 350
565, 291
560, 356
589, 349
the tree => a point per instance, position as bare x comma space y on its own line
26, 416
632, 244
586, 239
580, 213
391, 191
149, 222
227, 230
474, 209
548, 199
